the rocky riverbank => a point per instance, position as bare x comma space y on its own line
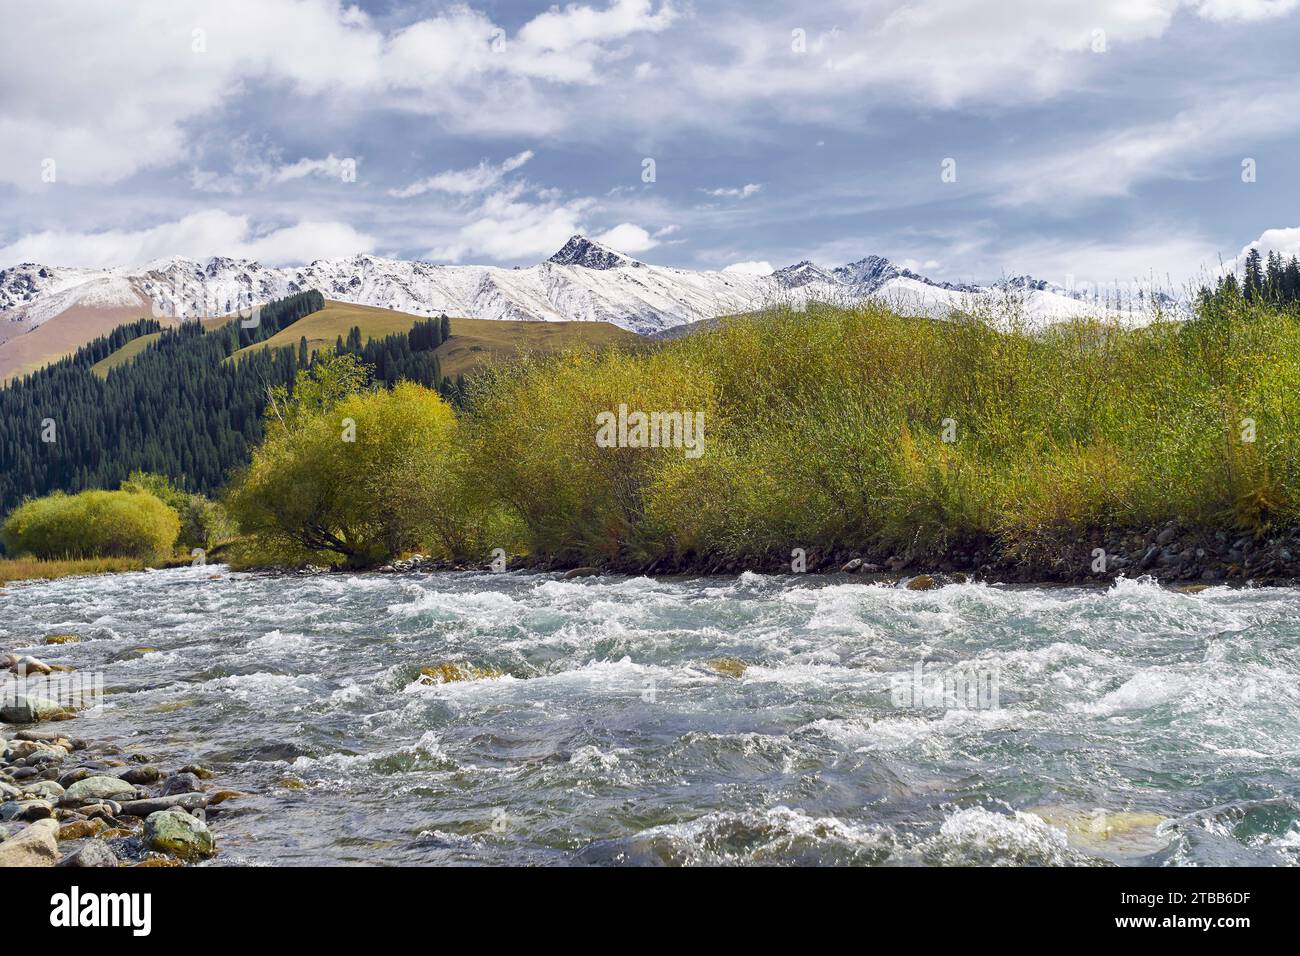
67, 800
1173, 554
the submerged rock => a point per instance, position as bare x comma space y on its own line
80, 829
583, 572
446, 673
178, 833
62, 639
922, 582
1121, 834
727, 666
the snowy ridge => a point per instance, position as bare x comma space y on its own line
583, 282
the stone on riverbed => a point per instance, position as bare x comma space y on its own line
46, 790
94, 853
727, 666
178, 833
28, 710
179, 783
80, 829
99, 788
34, 846
26, 810
141, 775
922, 582
449, 672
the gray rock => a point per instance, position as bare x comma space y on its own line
852, 566
46, 789
28, 710
35, 846
26, 810
99, 788
178, 833
94, 853
1164, 537
584, 572
4, 834
141, 775
180, 783
182, 801
1149, 558
30, 665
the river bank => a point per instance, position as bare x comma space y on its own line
69, 800
1172, 554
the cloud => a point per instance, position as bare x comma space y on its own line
144, 71
1111, 164
1165, 255
196, 236
627, 237
1284, 240
510, 226
507, 228
1245, 9
331, 167
741, 192
751, 268
465, 181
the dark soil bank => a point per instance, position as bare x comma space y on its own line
1173, 554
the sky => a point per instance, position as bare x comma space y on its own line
1106, 141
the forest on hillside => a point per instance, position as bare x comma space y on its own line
186, 407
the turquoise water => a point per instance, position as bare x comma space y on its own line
1131, 725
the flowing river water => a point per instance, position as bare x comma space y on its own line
723, 720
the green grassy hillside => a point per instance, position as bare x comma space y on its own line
473, 342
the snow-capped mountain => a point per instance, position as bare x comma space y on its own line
584, 281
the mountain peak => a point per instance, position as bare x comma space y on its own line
799, 274
590, 254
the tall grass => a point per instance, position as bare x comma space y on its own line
827, 429
31, 569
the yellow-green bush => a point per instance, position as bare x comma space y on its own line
92, 524
831, 428
354, 482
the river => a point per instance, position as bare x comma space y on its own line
723, 720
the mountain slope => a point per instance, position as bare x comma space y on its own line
584, 281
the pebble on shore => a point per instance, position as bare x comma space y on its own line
69, 802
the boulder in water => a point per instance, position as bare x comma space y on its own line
178, 833
448, 672
727, 666
98, 788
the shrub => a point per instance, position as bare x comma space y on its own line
356, 480
204, 522
92, 524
